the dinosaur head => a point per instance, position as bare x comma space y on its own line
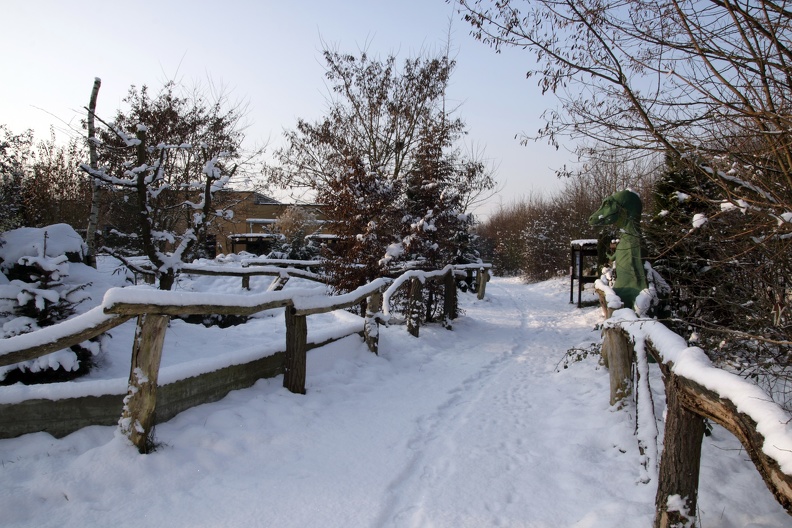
618, 209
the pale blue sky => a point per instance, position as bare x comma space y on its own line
268, 53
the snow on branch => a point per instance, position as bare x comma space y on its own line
772, 422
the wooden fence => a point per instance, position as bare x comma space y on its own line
695, 390
153, 308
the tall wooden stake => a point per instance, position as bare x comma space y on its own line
677, 489
140, 404
296, 349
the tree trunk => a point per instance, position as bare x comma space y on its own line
138, 415
93, 218
296, 346
677, 490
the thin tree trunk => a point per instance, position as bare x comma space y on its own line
93, 218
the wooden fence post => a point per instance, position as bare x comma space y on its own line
618, 355
371, 325
246, 282
677, 489
414, 307
483, 278
138, 415
450, 306
296, 347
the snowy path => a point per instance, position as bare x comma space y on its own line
469, 428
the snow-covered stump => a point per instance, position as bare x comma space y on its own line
617, 352
450, 306
140, 404
677, 489
481, 279
296, 348
414, 306
371, 324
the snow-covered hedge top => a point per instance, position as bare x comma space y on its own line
772, 422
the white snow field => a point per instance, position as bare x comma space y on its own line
473, 427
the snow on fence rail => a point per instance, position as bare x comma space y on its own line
153, 309
695, 390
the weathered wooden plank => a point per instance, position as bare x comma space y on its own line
295, 364
132, 309
137, 417
25, 352
680, 463
618, 353
482, 280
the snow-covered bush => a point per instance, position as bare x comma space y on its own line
36, 292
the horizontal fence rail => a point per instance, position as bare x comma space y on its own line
695, 390
153, 309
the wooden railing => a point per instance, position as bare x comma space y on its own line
153, 309
695, 390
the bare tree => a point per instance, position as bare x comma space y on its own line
383, 161
706, 84
167, 158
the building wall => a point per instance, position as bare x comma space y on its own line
252, 217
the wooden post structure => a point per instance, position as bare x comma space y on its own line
277, 283
450, 306
679, 463
296, 348
618, 355
371, 324
140, 404
246, 282
414, 307
482, 279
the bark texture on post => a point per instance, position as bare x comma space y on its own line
414, 306
483, 278
450, 306
677, 489
371, 325
296, 347
618, 353
246, 282
708, 404
140, 405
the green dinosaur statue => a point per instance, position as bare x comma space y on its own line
623, 209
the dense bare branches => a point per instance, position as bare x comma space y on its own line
707, 83
385, 163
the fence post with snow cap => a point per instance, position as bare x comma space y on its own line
296, 351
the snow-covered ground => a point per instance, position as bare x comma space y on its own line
480, 426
